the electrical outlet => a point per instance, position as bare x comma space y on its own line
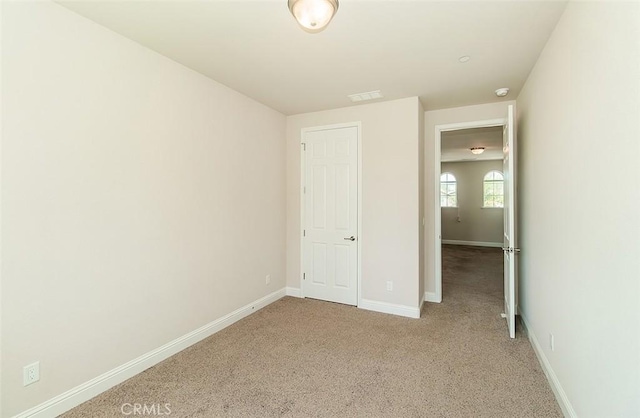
268, 279
390, 286
552, 342
31, 373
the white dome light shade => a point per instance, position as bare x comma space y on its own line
477, 150
313, 15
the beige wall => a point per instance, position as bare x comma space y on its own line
580, 199
442, 117
476, 224
140, 200
390, 193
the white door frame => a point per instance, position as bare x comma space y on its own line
303, 131
438, 211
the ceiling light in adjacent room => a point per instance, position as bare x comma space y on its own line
477, 150
313, 15
502, 92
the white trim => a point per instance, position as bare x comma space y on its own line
554, 382
437, 265
2, 400
303, 131
293, 292
421, 304
431, 297
82, 393
303, 168
359, 242
389, 308
465, 160
473, 243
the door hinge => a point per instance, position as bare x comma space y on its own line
304, 146
304, 232
304, 190
304, 276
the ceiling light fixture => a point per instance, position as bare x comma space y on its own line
502, 92
313, 15
477, 150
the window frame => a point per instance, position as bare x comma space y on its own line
447, 196
493, 181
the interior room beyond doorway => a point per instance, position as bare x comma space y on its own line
471, 205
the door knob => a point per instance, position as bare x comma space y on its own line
351, 238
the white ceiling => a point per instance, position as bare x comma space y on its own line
403, 48
455, 144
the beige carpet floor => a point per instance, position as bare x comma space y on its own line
299, 358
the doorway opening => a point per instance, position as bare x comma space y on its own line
458, 135
472, 223
496, 189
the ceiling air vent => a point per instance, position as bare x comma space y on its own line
370, 95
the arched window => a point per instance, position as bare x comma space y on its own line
448, 191
493, 190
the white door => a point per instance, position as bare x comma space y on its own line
510, 237
330, 187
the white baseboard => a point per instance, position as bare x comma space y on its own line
431, 297
389, 308
372, 305
558, 391
472, 243
82, 393
295, 292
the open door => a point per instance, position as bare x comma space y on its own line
510, 248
